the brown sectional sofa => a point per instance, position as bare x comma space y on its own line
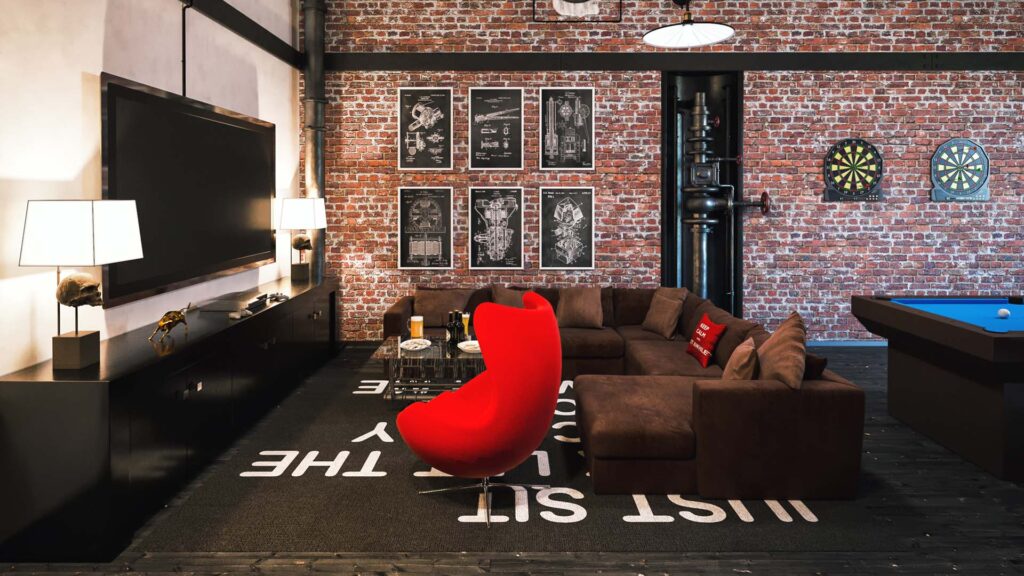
621, 346
653, 420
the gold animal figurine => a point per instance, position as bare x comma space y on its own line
169, 320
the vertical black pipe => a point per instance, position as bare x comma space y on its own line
185, 5
668, 181
313, 103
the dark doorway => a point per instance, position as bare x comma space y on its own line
723, 279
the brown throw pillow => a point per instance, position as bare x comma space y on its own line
742, 365
580, 307
435, 303
672, 293
694, 308
508, 296
662, 316
783, 355
814, 366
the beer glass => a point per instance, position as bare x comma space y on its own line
416, 327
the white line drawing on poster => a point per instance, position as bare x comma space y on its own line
567, 228
569, 221
423, 229
496, 219
424, 128
567, 122
496, 139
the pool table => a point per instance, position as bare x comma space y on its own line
956, 372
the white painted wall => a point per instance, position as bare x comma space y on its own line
51, 55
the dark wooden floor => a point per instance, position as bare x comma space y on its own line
984, 538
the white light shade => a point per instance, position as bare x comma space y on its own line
302, 214
689, 34
80, 233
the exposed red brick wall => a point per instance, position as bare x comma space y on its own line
812, 256
764, 26
809, 256
362, 183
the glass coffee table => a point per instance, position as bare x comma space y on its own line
424, 374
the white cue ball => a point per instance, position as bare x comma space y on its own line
1003, 313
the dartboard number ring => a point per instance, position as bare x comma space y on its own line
853, 172
960, 170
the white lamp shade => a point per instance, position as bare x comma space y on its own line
302, 214
689, 34
80, 233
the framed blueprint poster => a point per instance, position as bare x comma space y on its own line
424, 128
495, 228
495, 128
567, 228
567, 128
425, 228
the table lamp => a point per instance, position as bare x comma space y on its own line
302, 214
79, 233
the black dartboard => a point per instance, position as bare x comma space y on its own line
853, 172
960, 171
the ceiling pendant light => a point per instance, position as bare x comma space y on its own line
688, 33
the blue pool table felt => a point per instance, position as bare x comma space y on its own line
981, 312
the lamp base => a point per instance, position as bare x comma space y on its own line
73, 351
300, 272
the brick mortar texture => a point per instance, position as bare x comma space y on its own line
809, 256
362, 184
761, 26
813, 256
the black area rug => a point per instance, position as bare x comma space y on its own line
371, 503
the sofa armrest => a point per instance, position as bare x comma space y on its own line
762, 439
396, 318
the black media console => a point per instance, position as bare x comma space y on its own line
87, 456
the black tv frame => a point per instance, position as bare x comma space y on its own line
204, 110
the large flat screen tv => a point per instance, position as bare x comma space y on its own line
202, 179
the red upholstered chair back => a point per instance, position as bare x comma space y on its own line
523, 353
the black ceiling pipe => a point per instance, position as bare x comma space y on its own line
313, 131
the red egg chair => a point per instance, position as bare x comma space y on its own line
494, 422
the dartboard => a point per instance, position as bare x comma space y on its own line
853, 172
960, 171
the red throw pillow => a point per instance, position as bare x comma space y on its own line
705, 336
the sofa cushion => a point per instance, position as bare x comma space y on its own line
608, 306
663, 316
634, 332
591, 343
478, 297
665, 358
580, 307
736, 331
631, 305
694, 307
783, 356
636, 417
435, 303
742, 364
814, 366
704, 340
549, 294
759, 335
508, 296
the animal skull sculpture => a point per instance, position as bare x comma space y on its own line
79, 290
301, 242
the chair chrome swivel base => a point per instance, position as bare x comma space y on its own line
486, 485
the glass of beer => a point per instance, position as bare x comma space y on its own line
465, 323
416, 327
